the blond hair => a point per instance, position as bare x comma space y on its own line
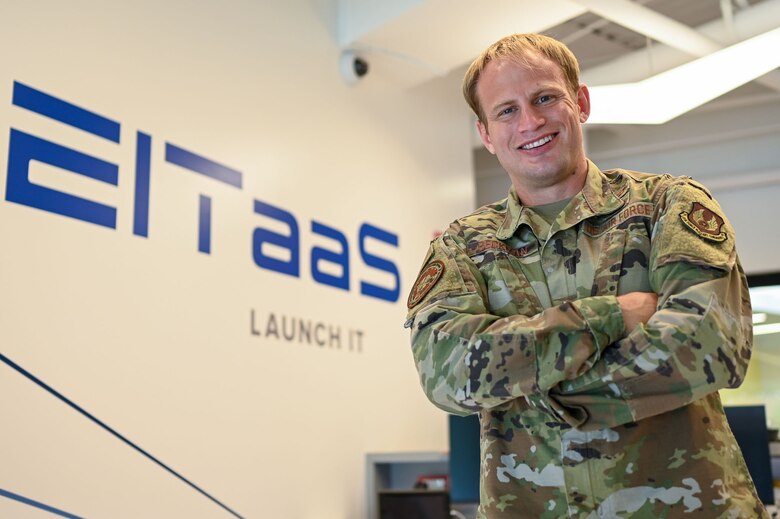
520, 47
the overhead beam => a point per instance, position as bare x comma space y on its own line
652, 24
674, 92
759, 18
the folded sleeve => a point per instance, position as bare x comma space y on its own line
469, 359
698, 341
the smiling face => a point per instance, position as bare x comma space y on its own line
532, 123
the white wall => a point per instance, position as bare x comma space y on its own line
153, 337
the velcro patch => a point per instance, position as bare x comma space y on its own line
425, 282
704, 222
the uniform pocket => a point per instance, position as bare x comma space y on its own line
510, 292
606, 274
623, 264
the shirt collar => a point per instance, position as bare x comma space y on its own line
597, 197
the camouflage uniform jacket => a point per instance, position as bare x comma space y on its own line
518, 320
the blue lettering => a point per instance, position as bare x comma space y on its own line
319, 254
65, 112
143, 156
207, 167
24, 148
274, 250
368, 231
290, 241
204, 225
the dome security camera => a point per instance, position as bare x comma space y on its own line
352, 67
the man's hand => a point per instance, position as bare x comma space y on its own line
637, 307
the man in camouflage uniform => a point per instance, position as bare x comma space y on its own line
590, 318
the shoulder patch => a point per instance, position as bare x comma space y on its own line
429, 276
704, 222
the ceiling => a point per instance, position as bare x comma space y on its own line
616, 41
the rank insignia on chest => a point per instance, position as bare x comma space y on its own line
704, 222
425, 282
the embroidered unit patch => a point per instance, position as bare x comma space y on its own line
425, 282
704, 222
